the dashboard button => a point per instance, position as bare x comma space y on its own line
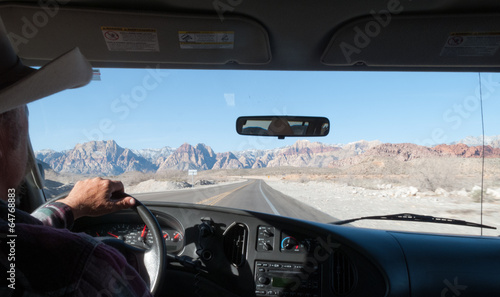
264, 280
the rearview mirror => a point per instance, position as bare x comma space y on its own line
282, 126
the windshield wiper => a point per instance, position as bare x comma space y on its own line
415, 218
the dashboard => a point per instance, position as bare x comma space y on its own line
242, 253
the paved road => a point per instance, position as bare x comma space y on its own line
253, 195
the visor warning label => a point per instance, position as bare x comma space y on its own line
121, 39
206, 39
472, 44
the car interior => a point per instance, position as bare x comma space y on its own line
217, 251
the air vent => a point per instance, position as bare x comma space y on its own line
235, 243
344, 274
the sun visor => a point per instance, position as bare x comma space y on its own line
390, 40
128, 37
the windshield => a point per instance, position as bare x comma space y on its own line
398, 142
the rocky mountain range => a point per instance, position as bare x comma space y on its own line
408, 151
107, 158
152, 155
186, 157
95, 158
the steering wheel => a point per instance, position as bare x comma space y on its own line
150, 263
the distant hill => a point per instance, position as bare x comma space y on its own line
96, 158
493, 141
152, 155
187, 157
107, 158
409, 151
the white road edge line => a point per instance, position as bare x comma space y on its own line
267, 200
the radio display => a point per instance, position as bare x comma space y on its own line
282, 282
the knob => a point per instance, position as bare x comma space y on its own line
289, 243
206, 227
267, 246
264, 280
206, 230
268, 233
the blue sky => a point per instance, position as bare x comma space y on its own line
151, 109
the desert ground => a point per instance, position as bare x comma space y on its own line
344, 202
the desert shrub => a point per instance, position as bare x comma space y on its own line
431, 174
303, 179
475, 195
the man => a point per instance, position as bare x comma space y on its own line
50, 260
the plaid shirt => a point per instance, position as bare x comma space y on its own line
55, 214
52, 261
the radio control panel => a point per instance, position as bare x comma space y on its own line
286, 279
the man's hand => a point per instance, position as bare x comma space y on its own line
96, 197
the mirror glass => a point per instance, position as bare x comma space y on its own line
282, 126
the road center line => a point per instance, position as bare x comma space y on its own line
214, 199
267, 200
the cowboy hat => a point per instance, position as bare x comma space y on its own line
20, 84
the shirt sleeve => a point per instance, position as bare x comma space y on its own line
55, 214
